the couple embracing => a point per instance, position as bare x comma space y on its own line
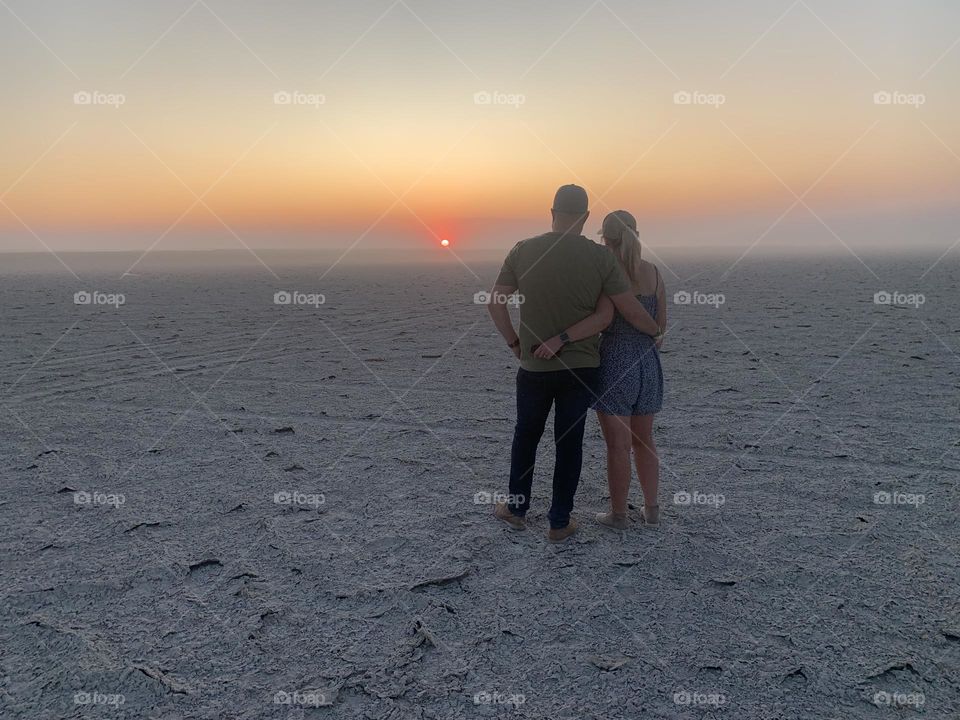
591, 324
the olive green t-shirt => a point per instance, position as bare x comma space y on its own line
561, 278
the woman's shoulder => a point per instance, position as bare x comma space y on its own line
650, 275
648, 267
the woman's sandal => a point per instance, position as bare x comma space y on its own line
651, 516
614, 521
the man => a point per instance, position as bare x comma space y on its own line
560, 275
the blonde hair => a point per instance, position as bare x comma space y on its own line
627, 250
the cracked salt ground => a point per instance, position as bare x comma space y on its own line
301, 543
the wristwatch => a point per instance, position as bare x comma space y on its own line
564, 338
514, 344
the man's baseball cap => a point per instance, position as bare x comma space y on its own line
571, 200
616, 222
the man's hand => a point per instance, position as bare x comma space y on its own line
549, 349
497, 308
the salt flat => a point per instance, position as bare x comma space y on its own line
215, 506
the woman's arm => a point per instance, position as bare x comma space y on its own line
594, 323
661, 312
601, 317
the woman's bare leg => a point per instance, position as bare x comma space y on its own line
648, 464
616, 433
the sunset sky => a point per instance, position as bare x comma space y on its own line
386, 141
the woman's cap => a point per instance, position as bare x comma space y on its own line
616, 222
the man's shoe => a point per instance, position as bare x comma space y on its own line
502, 512
559, 535
614, 521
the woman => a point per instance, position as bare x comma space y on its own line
630, 387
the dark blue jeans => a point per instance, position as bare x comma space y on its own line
570, 393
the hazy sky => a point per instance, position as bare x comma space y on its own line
178, 138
